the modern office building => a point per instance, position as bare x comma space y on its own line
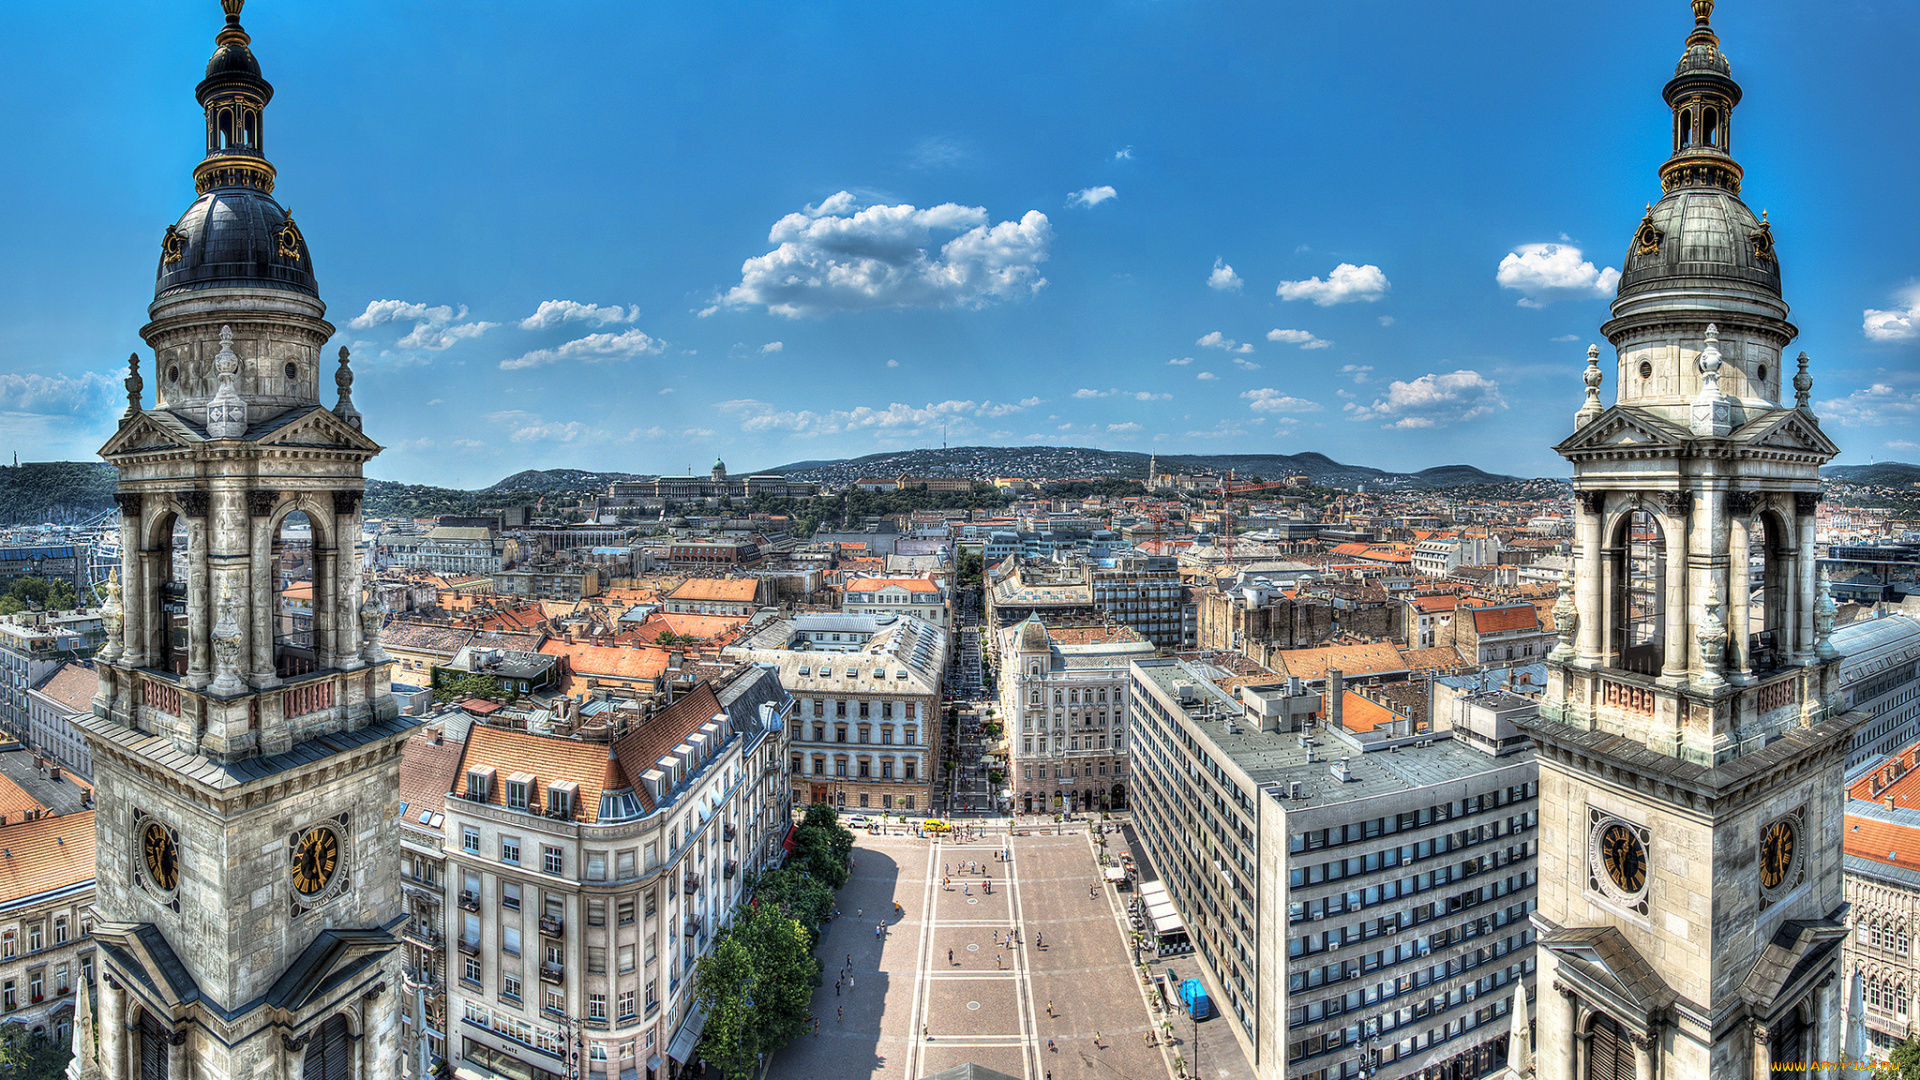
1357, 896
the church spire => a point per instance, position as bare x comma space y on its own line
1702, 95
235, 99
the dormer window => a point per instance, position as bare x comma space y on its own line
480, 784
518, 787
560, 797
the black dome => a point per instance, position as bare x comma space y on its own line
233, 59
235, 238
1707, 239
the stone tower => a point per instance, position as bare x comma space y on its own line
1691, 738
246, 745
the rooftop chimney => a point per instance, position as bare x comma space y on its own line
1336, 689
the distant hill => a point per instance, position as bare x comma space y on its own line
62, 492
545, 480
1058, 462
1879, 474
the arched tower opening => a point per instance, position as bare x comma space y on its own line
1637, 634
295, 603
170, 594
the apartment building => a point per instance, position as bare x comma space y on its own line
867, 711
31, 646
1357, 900
737, 596
1881, 660
551, 581
61, 697
1881, 857
921, 598
1063, 697
46, 947
580, 881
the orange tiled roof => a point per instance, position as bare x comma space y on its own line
428, 771
601, 662
641, 748
1494, 620
1359, 714
734, 590
1430, 604
914, 585
72, 685
49, 853
704, 627
1883, 842
549, 759
1351, 660
1436, 659
1093, 635
15, 803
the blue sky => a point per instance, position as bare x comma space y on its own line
638, 236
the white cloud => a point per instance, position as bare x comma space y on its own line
594, 348
1223, 278
1386, 320
1218, 340
1125, 153
85, 394
1224, 429
1549, 272
773, 346
1117, 429
531, 427
1268, 400
1181, 361
1207, 376
1900, 324
657, 432
1138, 395
1301, 338
838, 256
1877, 404
1563, 338
1246, 365
897, 417
666, 390
1092, 196
1432, 400
552, 313
1346, 284
893, 363
434, 328
939, 152
1903, 444
1357, 372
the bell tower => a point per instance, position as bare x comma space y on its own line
1692, 739
245, 734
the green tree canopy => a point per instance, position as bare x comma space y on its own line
29, 1055
755, 986
453, 685
805, 898
1905, 1059
38, 594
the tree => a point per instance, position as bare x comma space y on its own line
451, 686
755, 986
1905, 1058
30, 1055
38, 594
804, 898
970, 570
821, 852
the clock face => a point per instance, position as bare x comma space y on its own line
315, 858
1624, 858
162, 856
1776, 853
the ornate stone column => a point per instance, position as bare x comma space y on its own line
1588, 505
1806, 584
137, 603
113, 1029
194, 506
262, 593
1705, 582
1739, 599
1762, 1051
177, 1053
1645, 1065
1567, 1013
347, 637
1673, 668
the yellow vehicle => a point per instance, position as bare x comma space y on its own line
936, 825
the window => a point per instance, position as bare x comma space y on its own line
596, 1006
60, 930
470, 839
510, 988
907, 802
596, 866
480, 784
886, 736
472, 969
651, 999
626, 910
909, 764
819, 709
913, 713
626, 959
9, 946
863, 713
510, 850
840, 733
624, 865
510, 940
596, 913
910, 736
557, 1000
551, 860
819, 766
886, 710
516, 794
559, 801
840, 710
60, 984
840, 767
510, 895
649, 894
886, 769
36, 985
865, 769
863, 734
626, 1013
596, 960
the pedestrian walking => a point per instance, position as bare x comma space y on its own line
1050, 1048
836, 987
1039, 940
998, 966
849, 980
849, 960
949, 956
840, 1013
876, 930
1049, 1007
859, 913
1096, 1040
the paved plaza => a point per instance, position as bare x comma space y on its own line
940, 984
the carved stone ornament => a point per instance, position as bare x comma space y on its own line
1592, 501
260, 502
178, 1037
173, 245
1823, 615
1678, 503
1805, 503
226, 413
226, 641
1646, 239
1742, 503
1712, 636
194, 503
112, 618
129, 503
134, 385
293, 1043
287, 239
346, 502
343, 381
1803, 386
373, 617
1566, 619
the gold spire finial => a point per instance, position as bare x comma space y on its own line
231, 34
1702, 11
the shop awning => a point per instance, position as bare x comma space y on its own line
786, 843
688, 1036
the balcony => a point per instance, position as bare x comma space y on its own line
728, 831
423, 934
550, 925
733, 865
693, 926
470, 946
469, 901
692, 884
551, 972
